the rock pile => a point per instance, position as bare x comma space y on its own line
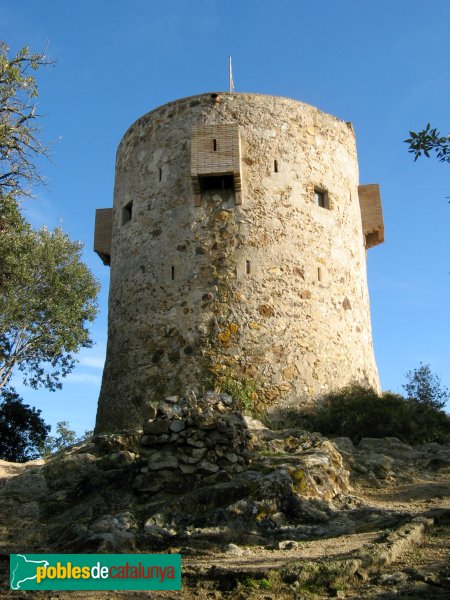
192, 441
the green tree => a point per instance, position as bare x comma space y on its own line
12, 227
22, 430
429, 140
426, 388
47, 300
19, 140
20, 145
47, 294
64, 437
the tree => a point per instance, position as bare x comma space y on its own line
12, 227
429, 140
19, 142
426, 388
46, 301
22, 430
47, 294
64, 437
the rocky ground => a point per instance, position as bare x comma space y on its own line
255, 513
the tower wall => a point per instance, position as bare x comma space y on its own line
257, 284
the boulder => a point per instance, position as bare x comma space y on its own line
162, 459
388, 446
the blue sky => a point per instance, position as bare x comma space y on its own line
383, 65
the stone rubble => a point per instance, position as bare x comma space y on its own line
192, 438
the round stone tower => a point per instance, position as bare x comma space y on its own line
237, 245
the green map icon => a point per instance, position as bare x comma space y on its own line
23, 569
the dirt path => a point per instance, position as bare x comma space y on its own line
414, 496
423, 572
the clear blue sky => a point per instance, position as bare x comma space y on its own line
383, 65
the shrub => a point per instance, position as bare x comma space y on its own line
243, 391
358, 412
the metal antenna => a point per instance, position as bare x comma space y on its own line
231, 77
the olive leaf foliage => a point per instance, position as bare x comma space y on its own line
47, 294
20, 144
429, 140
46, 302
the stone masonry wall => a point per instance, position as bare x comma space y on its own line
271, 293
190, 440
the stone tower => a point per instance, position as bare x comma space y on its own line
237, 244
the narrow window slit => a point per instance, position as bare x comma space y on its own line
275, 166
215, 145
127, 213
247, 267
319, 274
160, 174
173, 273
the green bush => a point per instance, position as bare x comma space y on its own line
358, 412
